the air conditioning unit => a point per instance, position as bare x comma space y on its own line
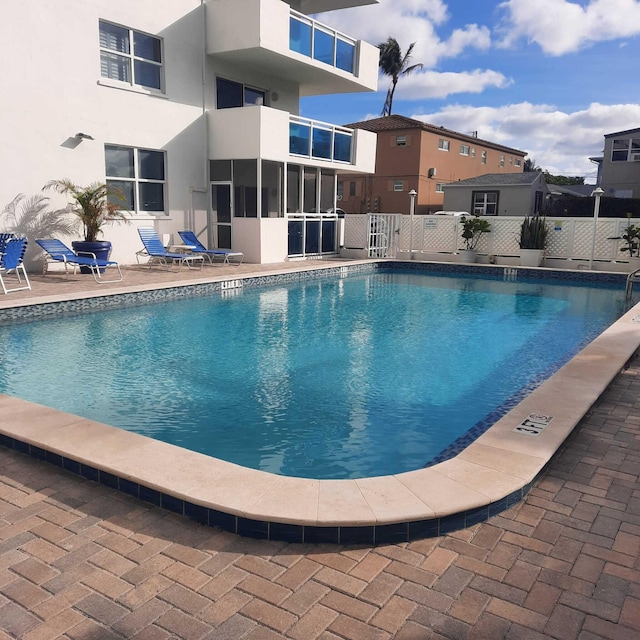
431, 173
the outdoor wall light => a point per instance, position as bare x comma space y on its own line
83, 136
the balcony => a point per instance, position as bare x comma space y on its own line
269, 35
263, 132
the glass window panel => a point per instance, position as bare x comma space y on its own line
221, 202
128, 191
328, 236
293, 188
245, 182
327, 189
118, 162
253, 97
151, 196
228, 94
312, 236
299, 37
114, 37
345, 55
146, 47
321, 144
620, 143
295, 228
299, 135
342, 147
151, 164
220, 170
272, 177
323, 44
635, 145
115, 67
224, 236
619, 156
310, 203
147, 74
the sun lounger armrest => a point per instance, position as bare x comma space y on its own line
87, 253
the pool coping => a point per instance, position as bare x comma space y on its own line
490, 475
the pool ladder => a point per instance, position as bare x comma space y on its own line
634, 276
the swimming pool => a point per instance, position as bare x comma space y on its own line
341, 378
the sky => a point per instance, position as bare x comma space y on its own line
548, 77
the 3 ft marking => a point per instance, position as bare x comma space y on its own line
534, 425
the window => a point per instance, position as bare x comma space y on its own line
502, 161
473, 152
510, 160
245, 188
231, 94
443, 145
398, 185
484, 157
130, 56
139, 174
625, 149
518, 162
401, 141
464, 149
485, 203
439, 187
352, 188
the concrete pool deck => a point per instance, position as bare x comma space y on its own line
489, 476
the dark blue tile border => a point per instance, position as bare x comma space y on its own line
369, 535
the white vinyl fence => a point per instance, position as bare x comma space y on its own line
390, 235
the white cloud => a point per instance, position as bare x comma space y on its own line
560, 27
560, 142
410, 21
422, 85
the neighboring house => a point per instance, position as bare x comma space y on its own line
619, 166
498, 194
414, 155
191, 107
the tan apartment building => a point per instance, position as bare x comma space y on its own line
415, 155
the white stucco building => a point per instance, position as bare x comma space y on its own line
191, 107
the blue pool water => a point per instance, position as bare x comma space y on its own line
337, 378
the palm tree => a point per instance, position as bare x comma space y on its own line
394, 64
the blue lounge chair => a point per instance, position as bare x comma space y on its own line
11, 260
154, 248
57, 251
191, 240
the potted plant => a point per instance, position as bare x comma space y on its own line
94, 205
472, 229
631, 236
533, 240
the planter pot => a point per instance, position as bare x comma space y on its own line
101, 249
467, 255
531, 257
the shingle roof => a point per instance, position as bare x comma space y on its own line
498, 180
621, 133
396, 122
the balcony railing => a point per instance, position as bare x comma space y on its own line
319, 140
317, 41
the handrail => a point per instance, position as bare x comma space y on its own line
628, 291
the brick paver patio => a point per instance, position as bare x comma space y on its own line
81, 561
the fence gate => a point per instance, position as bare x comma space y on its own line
384, 230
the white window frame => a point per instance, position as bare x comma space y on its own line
439, 187
443, 145
502, 160
131, 58
481, 206
398, 185
518, 162
136, 180
631, 152
464, 149
484, 157
473, 152
401, 141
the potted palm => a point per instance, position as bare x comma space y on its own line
533, 240
472, 229
631, 236
95, 205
